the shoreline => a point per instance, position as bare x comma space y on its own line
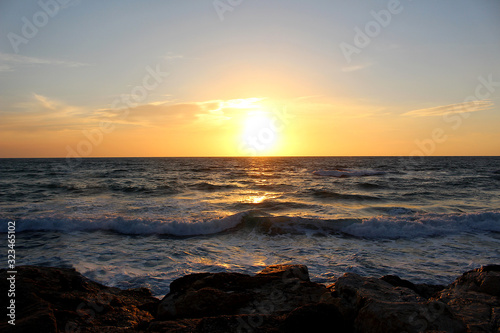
280, 298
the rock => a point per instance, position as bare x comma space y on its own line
318, 318
62, 300
484, 280
374, 305
287, 272
276, 289
423, 290
279, 299
220, 324
474, 297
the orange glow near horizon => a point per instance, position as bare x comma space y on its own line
251, 126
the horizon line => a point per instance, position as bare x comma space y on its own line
257, 156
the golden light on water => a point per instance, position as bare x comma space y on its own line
257, 200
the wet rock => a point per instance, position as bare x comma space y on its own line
62, 300
424, 290
374, 305
319, 317
276, 289
475, 298
279, 299
287, 272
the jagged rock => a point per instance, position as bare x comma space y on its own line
279, 299
276, 289
424, 290
318, 318
286, 272
374, 305
475, 298
62, 300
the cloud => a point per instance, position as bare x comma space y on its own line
41, 113
473, 106
153, 115
9, 61
356, 67
172, 56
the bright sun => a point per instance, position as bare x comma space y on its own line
260, 134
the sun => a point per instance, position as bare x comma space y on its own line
260, 134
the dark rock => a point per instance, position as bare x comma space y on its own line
319, 317
423, 290
395, 317
374, 305
62, 300
279, 288
428, 290
174, 326
396, 281
287, 272
474, 297
220, 324
279, 299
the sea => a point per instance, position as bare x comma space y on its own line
143, 222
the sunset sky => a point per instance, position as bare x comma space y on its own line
249, 77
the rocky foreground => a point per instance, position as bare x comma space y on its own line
280, 298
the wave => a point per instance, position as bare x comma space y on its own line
325, 194
370, 186
100, 187
139, 226
382, 227
208, 187
272, 205
391, 210
424, 225
343, 173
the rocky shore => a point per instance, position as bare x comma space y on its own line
280, 298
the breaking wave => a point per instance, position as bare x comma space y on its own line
381, 227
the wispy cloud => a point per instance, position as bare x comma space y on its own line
473, 106
9, 61
356, 67
172, 56
158, 114
41, 113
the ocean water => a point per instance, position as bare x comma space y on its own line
132, 222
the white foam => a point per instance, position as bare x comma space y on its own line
424, 225
177, 227
347, 173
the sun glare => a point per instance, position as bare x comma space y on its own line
259, 133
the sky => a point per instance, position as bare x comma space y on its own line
89, 78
